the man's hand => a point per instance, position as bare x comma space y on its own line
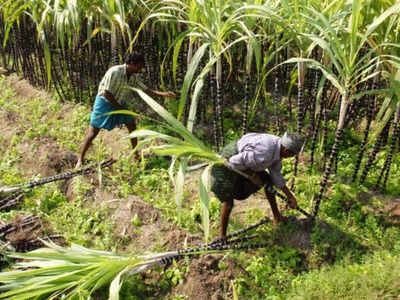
293, 202
228, 164
160, 94
111, 99
170, 94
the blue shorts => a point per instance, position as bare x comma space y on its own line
100, 119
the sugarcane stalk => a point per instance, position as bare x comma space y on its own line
317, 126
246, 91
276, 102
388, 162
220, 124
10, 227
215, 110
370, 109
246, 104
374, 152
338, 136
11, 200
300, 110
67, 175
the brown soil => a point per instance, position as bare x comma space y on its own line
205, 280
379, 204
46, 157
24, 90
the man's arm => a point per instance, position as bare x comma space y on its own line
291, 197
110, 98
280, 182
160, 94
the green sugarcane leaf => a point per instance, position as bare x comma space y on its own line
235, 293
186, 149
205, 202
177, 48
189, 76
179, 185
151, 135
381, 18
329, 75
125, 112
115, 285
384, 107
171, 170
47, 56
172, 121
194, 104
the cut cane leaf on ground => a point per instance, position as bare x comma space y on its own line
77, 272
56, 271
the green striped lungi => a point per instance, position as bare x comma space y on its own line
228, 185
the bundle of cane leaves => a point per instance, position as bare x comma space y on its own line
71, 273
76, 272
184, 145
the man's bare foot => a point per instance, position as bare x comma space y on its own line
136, 156
279, 219
78, 164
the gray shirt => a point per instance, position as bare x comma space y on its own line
260, 151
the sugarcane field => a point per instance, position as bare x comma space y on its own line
216, 150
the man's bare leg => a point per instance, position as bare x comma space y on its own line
274, 207
131, 127
90, 136
225, 212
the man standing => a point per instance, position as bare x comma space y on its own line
113, 94
252, 154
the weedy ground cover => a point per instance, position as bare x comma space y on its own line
355, 243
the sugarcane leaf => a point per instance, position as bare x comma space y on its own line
115, 285
125, 112
194, 103
384, 107
72, 272
172, 121
189, 76
234, 291
381, 18
185, 149
329, 75
150, 134
179, 185
171, 170
175, 55
205, 202
47, 56
190, 145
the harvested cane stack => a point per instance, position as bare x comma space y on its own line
19, 190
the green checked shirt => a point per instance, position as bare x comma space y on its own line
116, 82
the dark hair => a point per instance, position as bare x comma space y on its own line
134, 58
